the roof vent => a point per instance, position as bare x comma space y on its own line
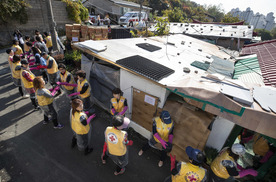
175, 24
223, 30
234, 27
200, 50
181, 24
186, 70
211, 29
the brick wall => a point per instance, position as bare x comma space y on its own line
37, 19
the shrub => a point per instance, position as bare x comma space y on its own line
76, 11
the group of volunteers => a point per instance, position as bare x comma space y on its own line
32, 56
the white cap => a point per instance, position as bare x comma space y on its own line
238, 149
125, 124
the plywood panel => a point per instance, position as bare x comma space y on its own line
143, 112
191, 128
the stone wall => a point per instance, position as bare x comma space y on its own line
37, 19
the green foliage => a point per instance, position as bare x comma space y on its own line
13, 10
175, 15
76, 11
144, 33
216, 12
210, 154
265, 34
162, 26
228, 18
75, 55
273, 33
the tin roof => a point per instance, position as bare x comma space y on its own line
211, 30
266, 53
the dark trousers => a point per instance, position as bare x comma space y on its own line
53, 113
162, 152
118, 169
20, 90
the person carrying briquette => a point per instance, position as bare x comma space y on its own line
162, 134
118, 103
10, 58
52, 69
27, 78
83, 91
116, 142
45, 100
66, 79
27, 46
81, 127
16, 48
40, 44
190, 171
225, 167
49, 43
16, 70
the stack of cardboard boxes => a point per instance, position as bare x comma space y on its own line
80, 33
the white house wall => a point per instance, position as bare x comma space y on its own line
220, 131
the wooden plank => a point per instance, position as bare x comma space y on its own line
143, 112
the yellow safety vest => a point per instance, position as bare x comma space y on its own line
63, 79
217, 167
76, 124
49, 41
118, 106
16, 73
54, 68
115, 141
260, 145
189, 172
163, 129
44, 101
87, 92
26, 48
26, 83
18, 50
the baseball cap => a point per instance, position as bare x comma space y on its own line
166, 117
125, 124
193, 154
238, 149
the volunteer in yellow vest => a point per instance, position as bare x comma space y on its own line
225, 167
188, 171
27, 78
49, 43
16, 70
162, 136
45, 101
81, 127
52, 68
116, 143
118, 103
16, 48
84, 92
67, 80
27, 48
11, 54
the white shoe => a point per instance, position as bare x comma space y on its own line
140, 152
25, 96
160, 163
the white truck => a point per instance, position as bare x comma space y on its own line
131, 18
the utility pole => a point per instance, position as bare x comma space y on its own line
52, 25
140, 10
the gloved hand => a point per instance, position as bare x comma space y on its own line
169, 147
172, 161
246, 172
90, 118
59, 83
163, 143
130, 142
55, 90
76, 93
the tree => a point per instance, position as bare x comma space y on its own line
228, 18
162, 27
216, 12
273, 33
265, 34
175, 15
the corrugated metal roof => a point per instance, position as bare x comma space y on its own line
247, 69
211, 30
266, 52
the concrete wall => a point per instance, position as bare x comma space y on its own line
220, 131
37, 19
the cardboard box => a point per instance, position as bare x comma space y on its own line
82, 39
98, 36
105, 35
76, 26
68, 27
91, 30
104, 30
75, 33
